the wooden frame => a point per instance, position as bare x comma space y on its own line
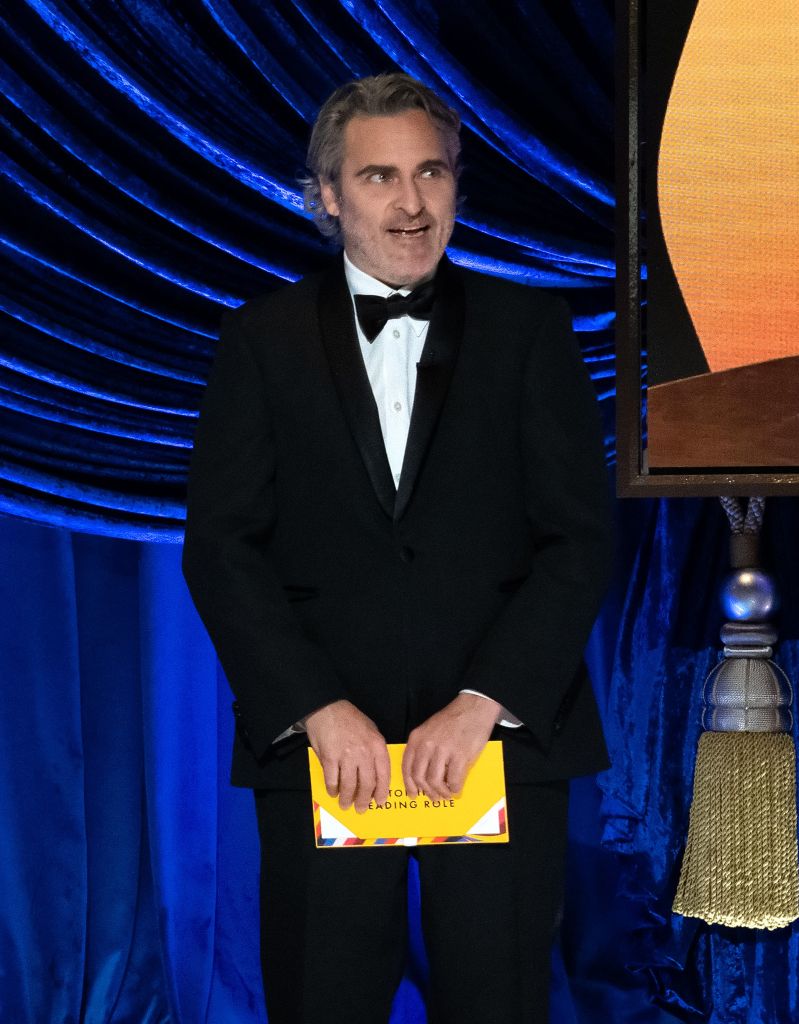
634, 479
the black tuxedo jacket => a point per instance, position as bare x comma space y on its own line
484, 570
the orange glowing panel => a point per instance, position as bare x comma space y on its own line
728, 179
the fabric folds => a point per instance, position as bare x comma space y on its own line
149, 181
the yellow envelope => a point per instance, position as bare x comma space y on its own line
478, 815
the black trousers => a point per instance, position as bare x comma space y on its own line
334, 921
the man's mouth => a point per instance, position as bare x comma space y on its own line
409, 232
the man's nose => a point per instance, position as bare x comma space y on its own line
409, 198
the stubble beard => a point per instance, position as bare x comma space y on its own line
371, 251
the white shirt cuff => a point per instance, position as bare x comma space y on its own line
291, 731
504, 717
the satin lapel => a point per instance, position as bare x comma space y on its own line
337, 320
433, 376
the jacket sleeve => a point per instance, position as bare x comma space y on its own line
531, 654
277, 673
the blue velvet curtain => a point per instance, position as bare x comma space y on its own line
149, 180
667, 643
129, 871
149, 162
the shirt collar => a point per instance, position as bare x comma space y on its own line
361, 283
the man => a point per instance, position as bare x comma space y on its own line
397, 532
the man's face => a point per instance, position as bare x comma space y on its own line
395, 197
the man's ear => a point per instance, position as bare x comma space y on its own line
330, 199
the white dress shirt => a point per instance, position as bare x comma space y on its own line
390, 362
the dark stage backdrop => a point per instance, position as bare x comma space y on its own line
149, 161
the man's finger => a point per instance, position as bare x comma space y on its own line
330, 772
435, 784
418, 771
455, 776
415, 759
365, 788
407, 766
347, 782
382, 775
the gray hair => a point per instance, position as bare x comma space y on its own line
376, 96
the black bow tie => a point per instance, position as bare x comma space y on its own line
374, 311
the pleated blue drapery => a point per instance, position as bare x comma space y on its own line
130, 867
149, 181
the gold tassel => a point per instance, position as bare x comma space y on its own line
740, 864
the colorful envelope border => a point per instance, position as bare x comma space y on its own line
352, 841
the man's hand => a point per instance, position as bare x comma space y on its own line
353, 753
441, 750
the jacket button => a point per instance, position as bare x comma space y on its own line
406, 554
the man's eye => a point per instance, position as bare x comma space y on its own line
378, 177
432, 172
